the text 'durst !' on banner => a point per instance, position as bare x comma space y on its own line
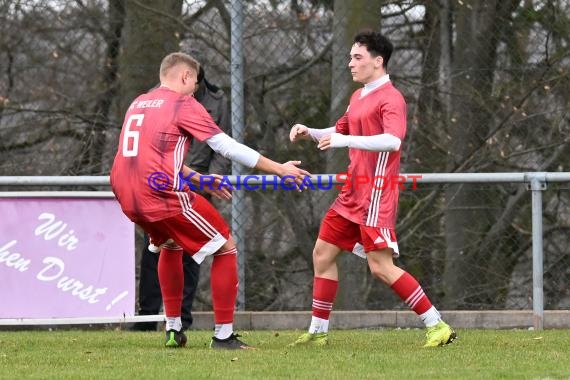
65, 257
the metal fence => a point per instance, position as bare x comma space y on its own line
502, 268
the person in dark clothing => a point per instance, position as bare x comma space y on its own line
204, 160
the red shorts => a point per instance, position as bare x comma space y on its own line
356, 238
200, 229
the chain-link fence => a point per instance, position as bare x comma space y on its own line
493, 270
486, 83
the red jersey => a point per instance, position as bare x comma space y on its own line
371, 199
155, 138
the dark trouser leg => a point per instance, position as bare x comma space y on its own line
191, 277
150, 298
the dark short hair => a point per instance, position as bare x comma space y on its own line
376, 43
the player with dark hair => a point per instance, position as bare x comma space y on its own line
362, 219
150, 182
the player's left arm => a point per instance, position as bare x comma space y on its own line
384, 142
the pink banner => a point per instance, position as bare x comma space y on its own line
65, 257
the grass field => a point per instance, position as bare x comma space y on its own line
352, 354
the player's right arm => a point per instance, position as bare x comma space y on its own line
198, 122
302, 132
235, 151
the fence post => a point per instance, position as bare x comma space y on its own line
537, 185
237, 107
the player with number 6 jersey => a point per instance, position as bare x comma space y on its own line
147, 179
159, 127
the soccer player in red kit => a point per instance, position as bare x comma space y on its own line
151, 183
363, 217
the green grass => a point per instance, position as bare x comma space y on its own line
352, 354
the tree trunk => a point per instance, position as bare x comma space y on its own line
91, 161
423, 152
149, 36
469, 214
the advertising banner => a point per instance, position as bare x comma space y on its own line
65, 257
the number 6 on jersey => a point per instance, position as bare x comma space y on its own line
131, 137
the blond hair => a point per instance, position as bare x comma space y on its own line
175, 59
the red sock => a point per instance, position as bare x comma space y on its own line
324, 293
224, 282
410, 291
171, 279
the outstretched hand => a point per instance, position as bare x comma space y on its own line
290, 170
299, 132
